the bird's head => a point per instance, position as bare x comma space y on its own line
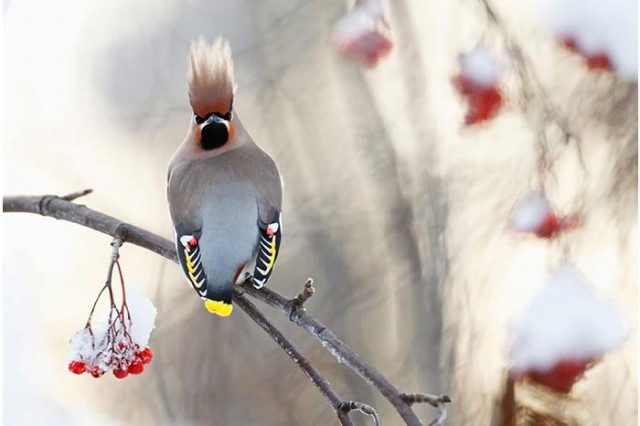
211, 89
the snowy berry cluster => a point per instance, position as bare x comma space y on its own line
535, 215
565, 330
477, 82
363, 35
119, 343
594, 60
568, 327
114, 352
603, 33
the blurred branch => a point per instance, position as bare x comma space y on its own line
529, 82
61, 208
532, 92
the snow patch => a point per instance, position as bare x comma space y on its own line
480, 66
143, 316
530, 212
567, 320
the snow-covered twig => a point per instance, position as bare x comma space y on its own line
60, 208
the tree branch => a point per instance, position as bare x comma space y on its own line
312, 373
61, 208
347, 406
335, 346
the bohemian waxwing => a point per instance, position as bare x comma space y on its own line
224, 192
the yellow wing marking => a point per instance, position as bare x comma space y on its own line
271, 256
192, 268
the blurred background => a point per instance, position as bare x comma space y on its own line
397, 211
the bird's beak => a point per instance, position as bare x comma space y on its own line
215, 119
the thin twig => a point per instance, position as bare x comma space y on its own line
304, 295
347, 406
526, 76
312, 373
74, 195
62, 209
433, 400
438, 401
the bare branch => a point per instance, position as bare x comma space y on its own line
347, 406
336, 347
433, 400
60, 208
312, 373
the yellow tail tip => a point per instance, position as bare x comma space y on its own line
218, 307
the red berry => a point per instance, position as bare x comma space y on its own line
483, 105
570, 44
136, 367
599, 61
367, 47
484, 102
120, 374
96, 371
77, 367
549, 226
145, 356
562, 376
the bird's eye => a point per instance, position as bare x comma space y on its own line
198, 119
228, 116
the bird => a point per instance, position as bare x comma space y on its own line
224, 192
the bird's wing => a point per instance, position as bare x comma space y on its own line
190, 258
268, 247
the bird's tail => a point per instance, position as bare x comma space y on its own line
219, 300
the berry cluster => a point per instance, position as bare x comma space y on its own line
363, 35
117, 344
595, 61
115, 350
484, 101
561, 376
478, 83
535, 215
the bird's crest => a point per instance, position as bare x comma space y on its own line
210, 76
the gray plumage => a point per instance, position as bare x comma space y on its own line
222, 198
